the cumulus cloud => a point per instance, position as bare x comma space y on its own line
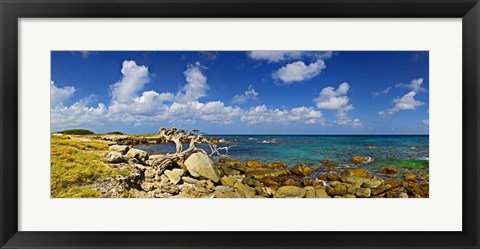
278, 56
337, 100
132, 105
385, 91
298, 71
209, 55
133, 80
415, 85
250, 93
407, 102
59, 94
426, 122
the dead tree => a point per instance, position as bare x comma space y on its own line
178, 136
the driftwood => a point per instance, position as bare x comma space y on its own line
178, 136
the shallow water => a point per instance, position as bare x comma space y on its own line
409, 152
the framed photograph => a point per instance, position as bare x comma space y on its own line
311, 124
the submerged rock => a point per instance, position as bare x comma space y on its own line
410, 177
355, 172
290, 192
361, 160
388, 170
255, 163
200, 165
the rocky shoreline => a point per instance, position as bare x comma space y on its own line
201, 177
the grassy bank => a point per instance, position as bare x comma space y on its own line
76, 163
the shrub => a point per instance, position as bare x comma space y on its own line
77, 132
115, 133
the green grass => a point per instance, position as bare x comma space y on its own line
76, 163
77, 132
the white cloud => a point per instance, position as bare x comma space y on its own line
278, 56
426, 122
407, 102
415, 85
130, 104
298, 71
84, 54
250, 93
385, 91
196, 86
337, 100
59, 94
133, 80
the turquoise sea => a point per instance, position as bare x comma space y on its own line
401, 151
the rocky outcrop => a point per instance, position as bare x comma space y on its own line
140, 155
290, 192
115, 157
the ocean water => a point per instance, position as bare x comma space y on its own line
399, 151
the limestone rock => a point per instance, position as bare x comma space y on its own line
119, 148
355, 172
115, 157
173, 176
363, 192
290, 192
302, 170
199, 164
137, 154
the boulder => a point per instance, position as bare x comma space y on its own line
301, 170
200, 165
252, 182
119, 148
363, 192
308, 181
321, 193
245, 190
228, 181
190, 180
290, 182
228, 170
267, 173
355, 172
356, 181
290, 192
410, 177
310, 192
173, 176
381, 189
223, 189
115, 157
338, 190
137, 154
277, 164
388, 170
328, 177
361, 160
374, 183
255, 163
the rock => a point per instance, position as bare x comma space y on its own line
115, 157
119, 148
355, 172
245, 190
290, 192
349, 196
302, 170
363, 192
277, 165
308, 181
418, 190
228, 181
321, 193
326, 160
226, 160
388, 170
200, 165
410, 177
179, 172
356, 181
271, 184
374, 183
223, 189
381, 189
147, 186
361, 160
255, 163
400, 195
190, 180
228, 195
172, 176
372, 147
310, 193
290, 182
264, 192
340, 190
228, 170
328, 177
252, 182
137, 154
267, 173
153, 157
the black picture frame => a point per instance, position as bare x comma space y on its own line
12, 10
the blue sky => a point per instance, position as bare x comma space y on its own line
241, 92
